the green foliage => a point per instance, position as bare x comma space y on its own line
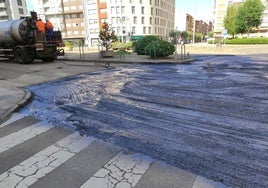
210, 34
159, 48
68, 43
199, 37
141, 44
184, 34
107, 36
229, 19
247, 41
118, 45
174, 35
249, 16
189, 36
122, 52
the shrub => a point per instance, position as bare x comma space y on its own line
141, 44
120, 45
159, 48
68, 43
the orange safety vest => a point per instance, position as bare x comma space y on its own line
40, 26
48, 25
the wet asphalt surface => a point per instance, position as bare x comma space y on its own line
209, 117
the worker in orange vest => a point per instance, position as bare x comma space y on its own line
40, 25
49, 30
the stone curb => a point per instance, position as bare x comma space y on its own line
25, 99
118, 60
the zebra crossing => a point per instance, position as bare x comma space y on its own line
38, 154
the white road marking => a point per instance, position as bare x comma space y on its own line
23, 135
37, 166
13, 118
122, 171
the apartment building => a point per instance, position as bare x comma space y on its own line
199, 27
82, 19
66, 15
130, 19
220, 8
12, 9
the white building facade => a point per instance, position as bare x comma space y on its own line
12, 9
128, 18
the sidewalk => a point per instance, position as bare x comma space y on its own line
93, 55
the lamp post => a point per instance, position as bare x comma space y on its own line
194, 21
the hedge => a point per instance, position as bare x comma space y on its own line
247, 41
242, 41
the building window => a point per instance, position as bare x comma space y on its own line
135, 19
113, 20
73, 15
142, 20
142, 10
133, 9
118, 20
103, 10
19, 2
112, 10
21, 11
117, 10
133, 30
144, 30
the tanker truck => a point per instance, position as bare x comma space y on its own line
22, 41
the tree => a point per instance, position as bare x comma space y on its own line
107, 36
184, 35
249, 16
229, 19
174, 35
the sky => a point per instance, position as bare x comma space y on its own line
199, 9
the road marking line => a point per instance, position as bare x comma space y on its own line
23, 135
14, 117
121, 171
37, 166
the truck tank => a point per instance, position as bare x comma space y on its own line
13, 31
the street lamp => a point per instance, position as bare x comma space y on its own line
194, 21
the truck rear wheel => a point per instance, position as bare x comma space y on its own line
22, 56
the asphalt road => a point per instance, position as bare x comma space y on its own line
208, 117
